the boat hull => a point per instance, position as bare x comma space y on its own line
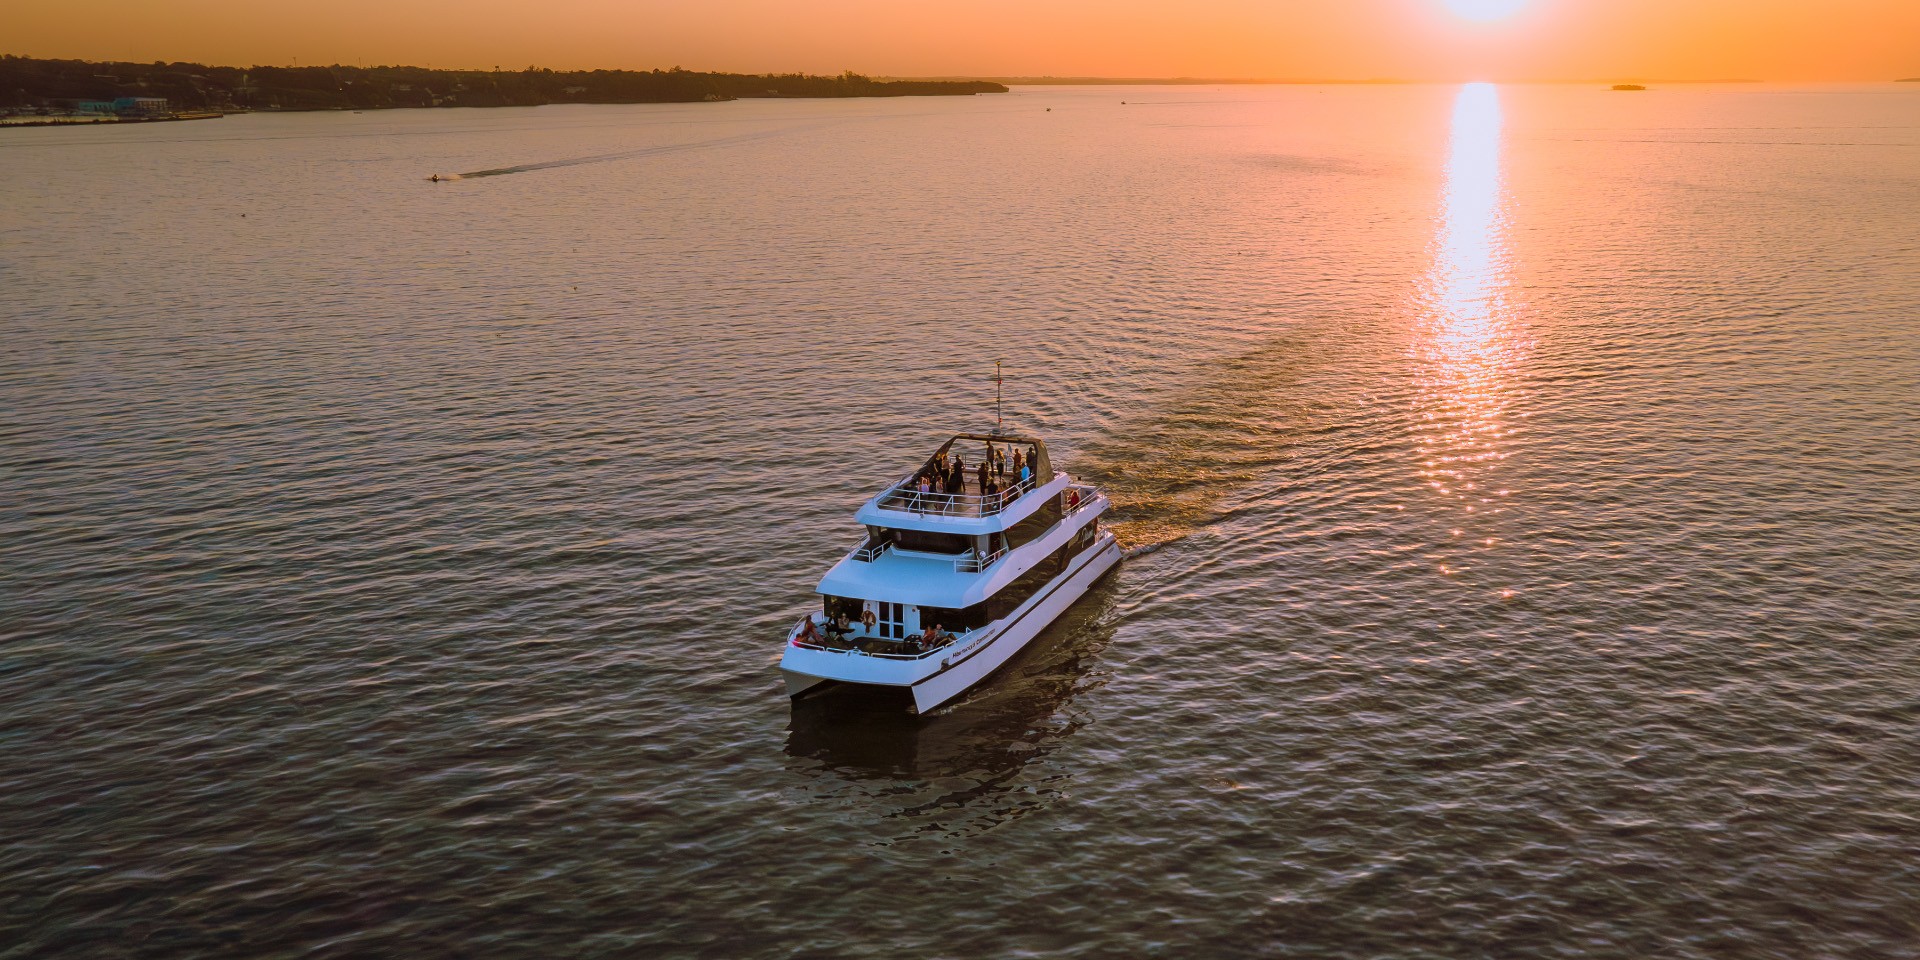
799, 683
969, 668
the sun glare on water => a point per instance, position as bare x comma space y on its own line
1469, 339
1485, 9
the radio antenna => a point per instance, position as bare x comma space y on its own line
999, 421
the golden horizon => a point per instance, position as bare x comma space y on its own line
1400, 41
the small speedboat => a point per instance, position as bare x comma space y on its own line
960, 569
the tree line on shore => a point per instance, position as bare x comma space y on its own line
28, 82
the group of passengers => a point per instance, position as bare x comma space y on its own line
942, 477
948, 475
840, 628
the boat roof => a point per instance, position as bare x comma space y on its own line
925, 580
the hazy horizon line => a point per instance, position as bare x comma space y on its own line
1046, 80
1025, 79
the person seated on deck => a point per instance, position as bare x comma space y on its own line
809, 633
933, 638
839, 628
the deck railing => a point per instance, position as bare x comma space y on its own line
961, 640
868, 552
1077, 497
903, 496
973, 564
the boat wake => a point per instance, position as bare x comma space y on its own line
653, 151
1172, 473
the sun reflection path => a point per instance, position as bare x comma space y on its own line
1466, 343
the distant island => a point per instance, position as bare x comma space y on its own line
38, 85
1908, 80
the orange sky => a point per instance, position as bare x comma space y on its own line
1295, 39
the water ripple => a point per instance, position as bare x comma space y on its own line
1522, 531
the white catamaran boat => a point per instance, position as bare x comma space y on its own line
959, 571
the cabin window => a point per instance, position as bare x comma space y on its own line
1030, 529
1010, 597
892, 619
956, 621
1083, 538
926, 542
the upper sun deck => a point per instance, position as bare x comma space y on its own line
950, 491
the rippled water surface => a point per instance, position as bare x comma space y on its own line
1522, 487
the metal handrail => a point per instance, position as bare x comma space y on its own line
1087, 496
960, 640
973, 564
901, 495
868, 552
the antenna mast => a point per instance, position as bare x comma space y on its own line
999, 422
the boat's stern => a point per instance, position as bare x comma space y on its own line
857, 659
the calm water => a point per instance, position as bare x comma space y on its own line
1522, 488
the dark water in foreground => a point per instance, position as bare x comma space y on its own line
1523, 486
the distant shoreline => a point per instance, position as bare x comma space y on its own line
38, 86
85, 120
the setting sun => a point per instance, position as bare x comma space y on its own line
1485, 9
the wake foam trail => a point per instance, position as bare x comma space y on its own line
1170, 473
637, 154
